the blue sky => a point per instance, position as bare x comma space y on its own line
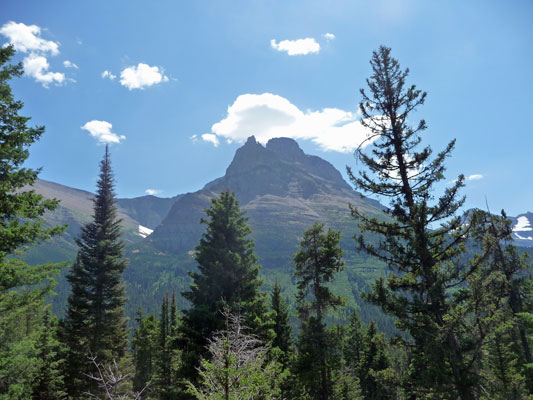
189, 75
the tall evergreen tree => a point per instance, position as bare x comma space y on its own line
429, 288
227, 277
280, 325
508, 361
94, 323
144, 347
166, 361
317, 261
22, 287
49, 383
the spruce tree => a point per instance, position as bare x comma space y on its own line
94, 323
22, 287
429, 287
49, 381
280, 324
227, 277
317, 261
144, 347
507, 365
166, 361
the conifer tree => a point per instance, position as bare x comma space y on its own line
227, 277
94, 324
317, 261
166, 362
49, 381
22, 287
280, 325
507, 364
428, 289
238, 367
144, 346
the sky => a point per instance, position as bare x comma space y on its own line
175, 87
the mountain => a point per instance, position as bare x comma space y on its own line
139, 216
523, 229
283, 190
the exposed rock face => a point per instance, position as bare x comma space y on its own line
283, 190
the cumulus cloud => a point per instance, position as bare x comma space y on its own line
27, 39
153, 192
101, 131
329, 36
474, 177
141, 76
296, 47
37, 67
211, 138
69, 64
108, 74
267, 116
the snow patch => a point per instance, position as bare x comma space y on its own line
522, 225
144, 231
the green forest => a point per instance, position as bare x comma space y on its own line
457, 291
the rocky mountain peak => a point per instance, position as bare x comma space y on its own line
285, 148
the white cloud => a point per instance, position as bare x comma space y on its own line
267, 116
37, 67
141, 76
211, 138
329, 36
474, 177
69, 64
26, 38
108, 74
153, 192
296, 47
101, 131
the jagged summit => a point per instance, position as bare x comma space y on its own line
281, 168
286, 148
283, 191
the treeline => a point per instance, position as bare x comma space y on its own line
457, 288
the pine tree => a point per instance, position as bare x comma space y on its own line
166, 362
237, 367
317, 261
508, 353
48, 381
281, 327
227, 277
22, 287
144, 346
429, 289
95, 324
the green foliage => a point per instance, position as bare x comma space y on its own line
165, 382
22, 287
144, 347
508, 353
48, 380
94, 324
226, 277
282, 330
317, 261
436, 294
237, 368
